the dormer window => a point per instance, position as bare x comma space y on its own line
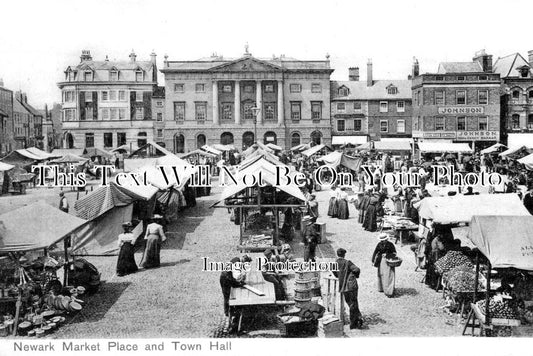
343, 91
113, 76
139, 75
88, 76
392, 90
524, 71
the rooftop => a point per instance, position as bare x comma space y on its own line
358, 90
459, 67
507, 66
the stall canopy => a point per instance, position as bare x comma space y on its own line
494, 148
274, 147
527, 161
69, 158
221, 147
35, 226
151, 149
301, 147
200, 153
392, 145
352, 140
315, 149
59, 152
507, 241
516, 152
335, 159
443, 147
461, 208
5, 167
211, 150
22, 157
256, 147
40, 153
96, 152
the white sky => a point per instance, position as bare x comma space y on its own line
39, 39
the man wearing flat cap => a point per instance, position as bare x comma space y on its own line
310, 237
347, 274
228, 281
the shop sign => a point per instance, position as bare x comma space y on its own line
478, 135
436, 134
461, 110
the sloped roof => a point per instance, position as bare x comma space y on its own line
361, 91
108, 65
35, 226
459, 67
19, 108
507, 66
204, 64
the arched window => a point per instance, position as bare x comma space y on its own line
69, 140
270, 137
179, 143
530, 122
515, 94
247, 139
515, 121
295, 139
316, 137
141, 139
200, 140
226, 138
530, 94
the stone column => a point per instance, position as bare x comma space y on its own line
215, 102
237, 103
281, 111
259, 102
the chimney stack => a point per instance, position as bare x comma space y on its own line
484, 59
369, 80
353, 74
530, 58
133, 56
416, 68
86, 55
153, 57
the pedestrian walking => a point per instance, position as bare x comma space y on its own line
310, 236
126, 257
154, 237
347, 274
63, 203
386, 274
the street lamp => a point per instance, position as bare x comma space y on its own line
255, 112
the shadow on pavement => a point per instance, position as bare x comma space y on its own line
399, 292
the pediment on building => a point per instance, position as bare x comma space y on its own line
247, 64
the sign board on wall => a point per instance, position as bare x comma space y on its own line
461, 110
478, 135
434, 134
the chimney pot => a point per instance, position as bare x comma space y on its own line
353, 74
133, 56
484, 59
153, 57
416, 68
86, 55
369, 78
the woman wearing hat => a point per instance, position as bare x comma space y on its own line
386, 274
126, 259
154, 237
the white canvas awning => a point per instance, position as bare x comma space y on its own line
494, 148
403, 145
313, 150
443, 147
211, 150
527, 161
352, 140
515, 150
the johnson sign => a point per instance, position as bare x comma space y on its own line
461, 110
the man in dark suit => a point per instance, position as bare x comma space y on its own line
310, 237
228, 281
347, 275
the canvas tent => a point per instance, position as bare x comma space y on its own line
335, 159
224, 148
444, 147
527, 161
274, 147
96, 152
314, 150
211, 150
494, 148
516, 152
40, 153
151, 149
5, 167
59, 152
396, 146
35, 226
69, 158
461, 208
301, 147
22, 158
199, 153
506, 241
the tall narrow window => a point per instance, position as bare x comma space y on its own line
179, 111
316, 110
270, 111
139, 76
383, 106
483, 123
400, 106
482, 97
341, 125
515, 122
439, 124
296, 110
201, 111
113, 76
139, 114
400, 128
89, 140
461, 123
384, 126
108, 139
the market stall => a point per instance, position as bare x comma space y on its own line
505, 253
257, 208
32, 294
321, 148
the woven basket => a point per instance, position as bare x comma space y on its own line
394, 262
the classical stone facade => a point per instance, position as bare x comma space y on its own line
459, 103
108, 104
238, 101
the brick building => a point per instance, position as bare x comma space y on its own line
158, 112
370, 110
516, 99
27, 123
7, 141
106, 103
216, 100
459, 103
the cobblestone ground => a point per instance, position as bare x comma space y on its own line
178, 300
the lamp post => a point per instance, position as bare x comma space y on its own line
255, 112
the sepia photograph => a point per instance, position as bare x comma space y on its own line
206, 176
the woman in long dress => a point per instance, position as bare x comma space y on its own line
126, 259
154, 237
344, 212
363, 206
332, 207
371, 214
386, 274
